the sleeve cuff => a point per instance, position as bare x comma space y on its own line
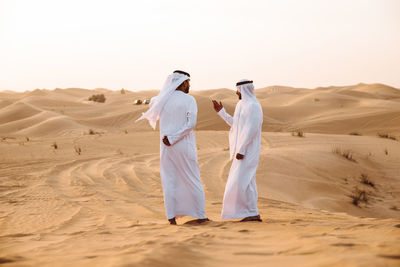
222, 112
172, 139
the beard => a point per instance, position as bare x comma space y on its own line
240, 96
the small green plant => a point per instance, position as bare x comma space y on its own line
98, 98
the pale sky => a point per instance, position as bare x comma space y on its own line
135, 44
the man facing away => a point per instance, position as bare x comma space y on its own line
179, 170
240, 197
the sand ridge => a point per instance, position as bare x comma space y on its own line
362, 108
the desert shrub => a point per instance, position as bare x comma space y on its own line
387, 136
93, 132
98, 98
122, 91
54, 145
365, 180
355, 133
316, 99
78, 150
298, 133
358, 196
347, 154
386, 151
4, 138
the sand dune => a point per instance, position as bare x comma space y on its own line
96, 199
366, 109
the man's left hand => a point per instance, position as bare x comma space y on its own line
166, 141
239, 156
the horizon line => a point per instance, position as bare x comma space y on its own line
145, 90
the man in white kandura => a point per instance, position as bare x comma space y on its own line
180, 173
240, 198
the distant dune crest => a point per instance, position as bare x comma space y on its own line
364, 108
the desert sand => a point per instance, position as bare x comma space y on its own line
80, 182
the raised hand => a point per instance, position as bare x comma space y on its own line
166, 141
217, 106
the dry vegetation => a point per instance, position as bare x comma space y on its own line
98, 98
298, 133
366, 180
387, 136
359, 196
4, 138
78, 150
347, 153
93, 132
54, 145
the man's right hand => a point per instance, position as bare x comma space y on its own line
217, 106
166, 141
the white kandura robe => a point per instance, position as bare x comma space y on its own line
240, 197
180, 173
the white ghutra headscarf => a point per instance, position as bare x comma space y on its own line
157, 103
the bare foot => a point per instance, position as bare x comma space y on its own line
172, 221
197, 221
252, 219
